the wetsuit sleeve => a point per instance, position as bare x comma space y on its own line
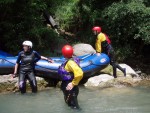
100, 38
71, 66
19, 58
98, 44
37, 56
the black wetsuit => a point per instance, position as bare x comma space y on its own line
26, 61
70, 97
108, 49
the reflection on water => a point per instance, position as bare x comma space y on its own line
109, 100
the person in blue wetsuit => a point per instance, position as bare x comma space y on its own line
25, 66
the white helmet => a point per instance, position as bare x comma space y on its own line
27, 43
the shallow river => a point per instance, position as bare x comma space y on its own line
108, 100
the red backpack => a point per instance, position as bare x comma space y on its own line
107, 39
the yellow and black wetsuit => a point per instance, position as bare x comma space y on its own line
71, 96
103, 45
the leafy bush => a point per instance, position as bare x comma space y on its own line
127, 22
23, 20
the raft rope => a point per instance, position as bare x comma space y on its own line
36, 64
56, 60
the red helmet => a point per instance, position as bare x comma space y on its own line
97, 29
67, 51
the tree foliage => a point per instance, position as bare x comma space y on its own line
23, 20
127, 22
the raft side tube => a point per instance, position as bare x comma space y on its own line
90, 64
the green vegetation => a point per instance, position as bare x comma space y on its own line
127, 22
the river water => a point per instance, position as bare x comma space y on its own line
91, 100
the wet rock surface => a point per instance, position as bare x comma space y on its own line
106, 79
113, 82
10, 84
103, 80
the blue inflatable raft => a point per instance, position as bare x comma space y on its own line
90, 64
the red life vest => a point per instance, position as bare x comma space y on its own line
107, 39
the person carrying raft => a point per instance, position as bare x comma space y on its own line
103, 44
25, 66
70, 74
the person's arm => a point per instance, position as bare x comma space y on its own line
16, 68
48, 59
98, 44
78, 74
17, 65
44, 58
38, 57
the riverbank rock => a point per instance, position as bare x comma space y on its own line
83, 49
10, 84
105, 81
129, 71
97, 80
7, 83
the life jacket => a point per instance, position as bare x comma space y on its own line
63, 74
105, 44
107, 39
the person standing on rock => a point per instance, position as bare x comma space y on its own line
103, 44
25, 66
70, 74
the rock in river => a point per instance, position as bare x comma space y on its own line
129, 70
10, 84
97, 80
105, 80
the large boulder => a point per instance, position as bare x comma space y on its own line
83, 49
97, 80
7, 79
7, 83
129, 70
10, 84
105, 81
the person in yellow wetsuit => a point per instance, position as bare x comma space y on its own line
70, 74
103, 45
